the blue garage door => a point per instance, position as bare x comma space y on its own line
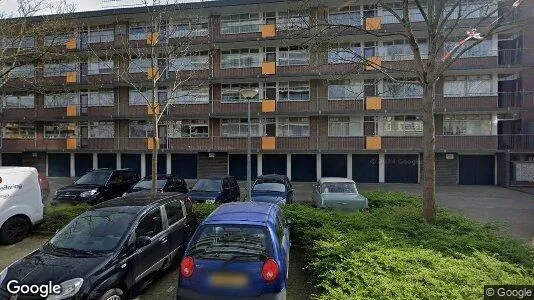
365, 167
477, 169
402, 168
107, 161
304, 167
83, 163
12, 159
131, 161
274, 164
162, 164
334, 165
237, 166
59, 165
184, 165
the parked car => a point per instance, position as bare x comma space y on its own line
273, 189
164, 183
215, 190
21, 203
97, 186
340, 193
240, 250
111, 251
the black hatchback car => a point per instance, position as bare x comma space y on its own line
111, 251
97, 186
164, 184
215, 190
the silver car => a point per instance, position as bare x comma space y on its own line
338, 193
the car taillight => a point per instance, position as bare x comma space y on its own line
187, 267
270, 270
188, 199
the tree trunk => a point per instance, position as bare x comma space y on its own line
429, 156
155, 146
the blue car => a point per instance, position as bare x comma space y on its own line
241, 250
275, 189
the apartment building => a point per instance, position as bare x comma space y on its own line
318, 111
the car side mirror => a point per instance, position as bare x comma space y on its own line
226, 188
142, 241
289, 222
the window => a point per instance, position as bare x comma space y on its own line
241, 23
293, 127
19, 131
293, 56
240, 58
484, 48
102, 98
59, 130
192, 28
393, 90
98, 67
292, 20
100, 35
57, 40
198, 95
195, 61
19, 100
344, 126
141, 129
345, 90
465, 86
140, 97
59, 68
413, 12
138, 31
348, 15
104, 130
25, 42
188, 128
473, 9
467, 125
141, 65
174, 212
239, 128
402, 125
401, 50
344, 53
60, 99
294, 91
150, 225
23, 71
232, 92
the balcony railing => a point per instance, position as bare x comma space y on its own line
516, 142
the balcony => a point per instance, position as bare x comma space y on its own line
467, 143
72, 111
516, 142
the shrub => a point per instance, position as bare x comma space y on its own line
57, 216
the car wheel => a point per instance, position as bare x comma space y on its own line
113, 294
14, 230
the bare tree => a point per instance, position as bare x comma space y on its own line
428, 27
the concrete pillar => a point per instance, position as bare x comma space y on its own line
46, 164
169, 164
349, 166
419, 168
143, 165
288, 166
319, 167
494, 124
0, 159
260, 164
95, 161
381, 167
72, 165
119, 162
496, 163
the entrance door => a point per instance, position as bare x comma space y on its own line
84, 104
84, 136
477, 169
402, 168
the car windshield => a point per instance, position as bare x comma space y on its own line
270, 187
338, 187
94, 231
229, 242
146, 184
208, 185
97, 178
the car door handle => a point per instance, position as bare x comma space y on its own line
163, 240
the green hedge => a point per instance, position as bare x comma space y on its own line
57, 216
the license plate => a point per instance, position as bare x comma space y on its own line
229, 280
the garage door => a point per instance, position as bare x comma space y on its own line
365, 167
12, 159
107, 160
477, 169
83, 163
237, 166
162, 164
274, 164
59, 165
402, 168
184, 165
334, 165
131, 161
304, 167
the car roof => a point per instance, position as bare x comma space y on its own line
138, 201
242, 213
273, 176
160, 177
335, 179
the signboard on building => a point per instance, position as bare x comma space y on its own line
524, 171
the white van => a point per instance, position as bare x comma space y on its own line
21, 203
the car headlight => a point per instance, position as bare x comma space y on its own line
283, 201
3, 275
69, 288
88, 193
210, 201
56, 193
